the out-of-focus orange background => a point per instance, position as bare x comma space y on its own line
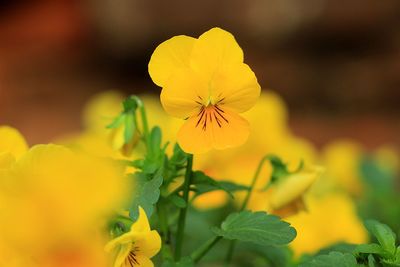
336, 63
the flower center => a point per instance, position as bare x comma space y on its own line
131, 259
212, 112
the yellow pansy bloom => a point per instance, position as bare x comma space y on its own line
205, 81
136, 247
270, 135
329, 219
290, 191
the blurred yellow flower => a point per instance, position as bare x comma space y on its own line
328, 220
205, 81
100, 110
12, 146
62, 195
136, 247
342, 160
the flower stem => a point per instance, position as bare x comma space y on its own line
143, 115
232, 244
166, 249
183, 211
201, 251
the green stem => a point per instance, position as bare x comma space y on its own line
232, 244
183, 211
166, 248
201, 251
254, 181
143, 115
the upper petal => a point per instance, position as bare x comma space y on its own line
169, 56
237, 85
213, 49
183, 92
142, 223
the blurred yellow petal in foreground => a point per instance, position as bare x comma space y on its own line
328, 220
52, 200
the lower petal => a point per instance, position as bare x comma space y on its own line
144, 261
234, 133
231, 131
149, 244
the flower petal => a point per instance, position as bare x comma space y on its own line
237, 85
234, 134
149, 244
142, 223
169, 56
181, 91
144, 261
194, 138
123, 240
213, 49
12, 141
122, 254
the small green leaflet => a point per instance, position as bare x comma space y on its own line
147, 193
385, 236
256, 227
369, 249
333, 259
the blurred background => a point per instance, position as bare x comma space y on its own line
335, 63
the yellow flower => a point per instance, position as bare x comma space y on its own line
63, 196
136, 247
205, 81
342, 160
289, 192
12, 146
328, 220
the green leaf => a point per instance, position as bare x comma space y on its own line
333, 259
147, 193
369, 249
256, 227
371, 261
178, 157
177, 201
205, 183
385, 236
